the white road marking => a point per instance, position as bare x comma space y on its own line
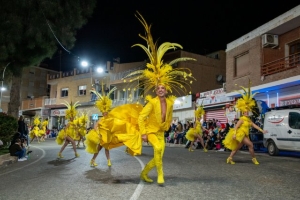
140, 186
43, 155
134, 196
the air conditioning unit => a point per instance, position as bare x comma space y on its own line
269, 40
224, 87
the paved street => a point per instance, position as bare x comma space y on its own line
188, 175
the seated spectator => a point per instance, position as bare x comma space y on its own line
178, 133
16, 136
209, 141
171, 137
167, 134
1, 143
218, 141
17, 150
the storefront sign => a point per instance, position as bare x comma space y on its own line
212, 93
290, 102
213, 100
58, 113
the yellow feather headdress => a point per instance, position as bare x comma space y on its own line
84, 118
71, 112
36, 120
103, 103
199, 112
158, 72
246, 103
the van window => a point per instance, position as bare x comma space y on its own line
294, 120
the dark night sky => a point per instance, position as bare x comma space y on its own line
199, 26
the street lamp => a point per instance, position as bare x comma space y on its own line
2, 88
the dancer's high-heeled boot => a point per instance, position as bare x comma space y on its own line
93, 163
255, 162
144, 173
59, 155
190, 149
108, 163
77, 155
230, 161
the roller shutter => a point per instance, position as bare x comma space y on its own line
216, 114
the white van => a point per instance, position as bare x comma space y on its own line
283, 128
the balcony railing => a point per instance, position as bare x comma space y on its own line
281, 65
50, 101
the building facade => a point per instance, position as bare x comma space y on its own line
75, 86
270, 57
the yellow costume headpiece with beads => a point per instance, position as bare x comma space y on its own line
246, 103
71, 112
158, 72
36, 120
103, 103
199, 112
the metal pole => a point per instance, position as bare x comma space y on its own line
1, 89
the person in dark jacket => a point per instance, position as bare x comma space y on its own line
21, 126
17, 150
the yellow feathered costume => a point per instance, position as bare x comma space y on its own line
35, 130
83, 120
244, 104
192, 132
42, 131
158, 74
71, 129
118, 128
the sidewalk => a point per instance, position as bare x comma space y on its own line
6, 160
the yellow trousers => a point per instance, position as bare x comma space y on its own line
158, 143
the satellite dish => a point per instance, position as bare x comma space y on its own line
219, 78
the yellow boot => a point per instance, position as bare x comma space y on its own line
205, 150
77, 155
93, 163
144, 174
230, 161
160, 176
255, 161
190, 149
59, 155
159, 166
108, 163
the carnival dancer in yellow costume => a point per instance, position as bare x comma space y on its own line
193, 133
69, 132
34, 132
103, 103
156, 116
82, 122
117, 127
239, 135
42, 131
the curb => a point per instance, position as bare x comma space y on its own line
6, 160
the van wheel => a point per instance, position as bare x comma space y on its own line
272, 149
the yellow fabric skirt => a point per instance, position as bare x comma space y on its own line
192, 133
231, 143
119, 128
60, 138
92, 140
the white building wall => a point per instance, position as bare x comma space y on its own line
183, 115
